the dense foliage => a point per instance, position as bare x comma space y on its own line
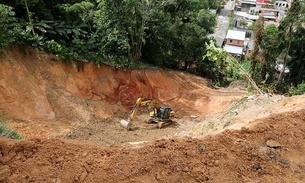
170, 33
9, 29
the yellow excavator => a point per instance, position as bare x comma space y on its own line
160, 115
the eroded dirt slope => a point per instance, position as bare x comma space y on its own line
272, 151
48, 98
70, 124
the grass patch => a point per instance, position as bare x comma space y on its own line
10, 133
7, 132
246, 64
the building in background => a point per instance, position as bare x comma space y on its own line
235, 43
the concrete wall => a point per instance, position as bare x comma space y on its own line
235, 42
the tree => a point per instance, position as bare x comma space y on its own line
268, 46
206, 19
285, 34
297, 54
165, 33
297, 63
255, 54
122, 25
176, 32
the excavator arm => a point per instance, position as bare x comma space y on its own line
140, 103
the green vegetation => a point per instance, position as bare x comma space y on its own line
5, 131
162, 33
230, 67
280, 46
299, 90
243, 23
231, 16
9, 29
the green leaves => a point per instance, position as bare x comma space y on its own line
206, 19
122, 25
166, 33
215, 54
233, 69
9, 28
299, 90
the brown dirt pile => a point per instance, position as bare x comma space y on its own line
272, 151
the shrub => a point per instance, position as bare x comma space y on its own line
299, 90
53, 47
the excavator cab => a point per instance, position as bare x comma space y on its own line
162, 116
164, 112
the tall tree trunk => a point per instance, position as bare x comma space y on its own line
263, 69
281, 76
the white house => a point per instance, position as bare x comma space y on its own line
235, 41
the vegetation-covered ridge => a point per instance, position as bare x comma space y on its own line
166, 33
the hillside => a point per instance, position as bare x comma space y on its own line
70, 123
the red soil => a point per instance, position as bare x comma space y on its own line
69, 121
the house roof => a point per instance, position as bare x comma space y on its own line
233, 49
237, 35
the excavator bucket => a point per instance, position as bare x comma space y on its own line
126, 124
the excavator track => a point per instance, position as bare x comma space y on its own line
160, 124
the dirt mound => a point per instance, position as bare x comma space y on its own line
271, 151
248, 109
